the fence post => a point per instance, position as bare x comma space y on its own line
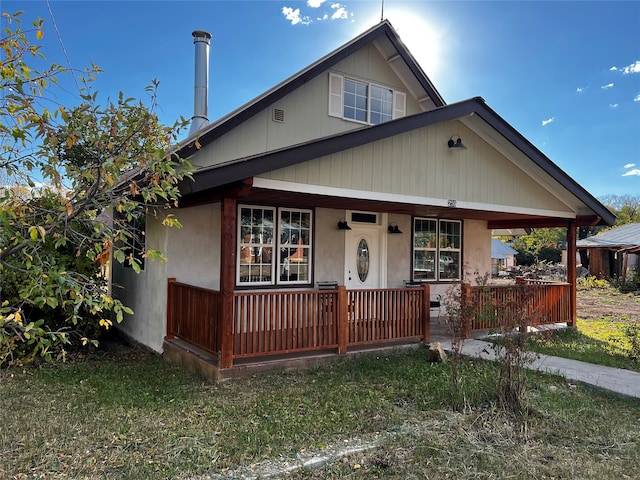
426, 313
342, 319
170, 312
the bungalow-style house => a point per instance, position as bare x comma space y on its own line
614, 253
328, 213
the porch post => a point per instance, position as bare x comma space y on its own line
227, 281
342, 319
571, 272
170, 314
426, 313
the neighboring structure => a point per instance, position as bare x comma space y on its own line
614, 253
502, 256
319, 206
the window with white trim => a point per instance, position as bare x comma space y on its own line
437, 249
274, 246
362, 101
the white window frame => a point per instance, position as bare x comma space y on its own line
337, 98
277, 246
443, 250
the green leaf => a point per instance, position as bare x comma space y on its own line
119, 256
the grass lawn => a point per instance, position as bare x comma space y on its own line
131, 415
595, 341
603, 333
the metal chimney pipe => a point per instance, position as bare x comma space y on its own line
202, 40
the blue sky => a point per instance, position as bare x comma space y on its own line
564, 74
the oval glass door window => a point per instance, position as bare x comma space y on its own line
363, 260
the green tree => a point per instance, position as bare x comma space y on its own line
540, 244
626, 207
79, 176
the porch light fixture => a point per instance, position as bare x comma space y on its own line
393, 228
456, 142
343, 225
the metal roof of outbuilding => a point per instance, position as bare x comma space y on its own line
624, 237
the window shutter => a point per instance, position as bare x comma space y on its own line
335, 95
399, 104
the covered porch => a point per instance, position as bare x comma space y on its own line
304, 324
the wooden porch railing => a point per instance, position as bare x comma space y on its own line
281, 322
538, 302
193, 314
376, 316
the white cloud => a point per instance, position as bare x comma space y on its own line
613, 105
613, 69
547, 121
607, 86
294, 16
629, 165
340, 12
636, 98
580, 89
635, 172
633, 68
337, 12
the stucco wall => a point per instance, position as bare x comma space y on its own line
329, 246
193, 253
399, 252
194, 249
476, 250
145, 292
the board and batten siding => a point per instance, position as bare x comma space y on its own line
419, 164
306, 113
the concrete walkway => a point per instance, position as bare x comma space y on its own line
617, 380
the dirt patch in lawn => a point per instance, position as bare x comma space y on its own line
596, 304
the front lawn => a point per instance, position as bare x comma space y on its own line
131, 415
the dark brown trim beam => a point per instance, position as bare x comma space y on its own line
572, 272
543, 222
227, 280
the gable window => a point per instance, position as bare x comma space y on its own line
436, 249
363, 101
274, 246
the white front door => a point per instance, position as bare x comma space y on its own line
363, 257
